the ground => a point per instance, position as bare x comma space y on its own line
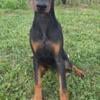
81, 28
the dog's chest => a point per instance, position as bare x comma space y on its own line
53, 35
46, 38
45, 50
46, 29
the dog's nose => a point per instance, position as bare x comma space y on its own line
41, 7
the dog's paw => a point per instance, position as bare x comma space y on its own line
64, 96
79, 72
38, 93
37, 97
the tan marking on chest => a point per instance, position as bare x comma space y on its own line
56, 48
36, 45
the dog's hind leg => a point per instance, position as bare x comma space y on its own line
69, 66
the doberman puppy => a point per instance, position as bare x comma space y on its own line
46, 40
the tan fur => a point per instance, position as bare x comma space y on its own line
56, 48
35, 45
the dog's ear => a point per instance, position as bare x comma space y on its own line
31, 4
64, 1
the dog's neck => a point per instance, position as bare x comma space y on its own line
43, 20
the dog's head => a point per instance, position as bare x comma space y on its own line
43, 6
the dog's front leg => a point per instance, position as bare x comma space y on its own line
38, 87
62, 78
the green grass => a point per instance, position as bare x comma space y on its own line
81, 29
14, 4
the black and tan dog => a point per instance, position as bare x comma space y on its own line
46, 40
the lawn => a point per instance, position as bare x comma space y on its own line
81, 28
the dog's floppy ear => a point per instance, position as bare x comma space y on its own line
64, 1
31, 4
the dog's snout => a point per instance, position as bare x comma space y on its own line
41, 7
